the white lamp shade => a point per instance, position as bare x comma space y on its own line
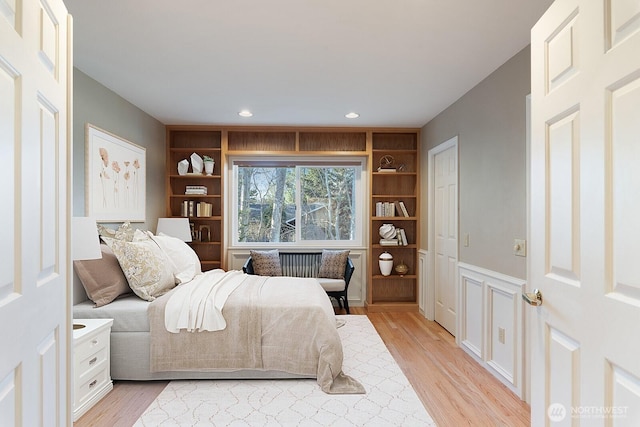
84, 239
175, 227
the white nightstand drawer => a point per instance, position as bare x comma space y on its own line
85, 366
91, 385
91, 345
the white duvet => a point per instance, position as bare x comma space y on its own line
197, 305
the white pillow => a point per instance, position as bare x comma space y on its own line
184, 261
145, 266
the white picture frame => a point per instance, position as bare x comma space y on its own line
115, 183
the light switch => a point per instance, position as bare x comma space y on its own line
501, 335
466, 240
520, 247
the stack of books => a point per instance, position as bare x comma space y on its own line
195, 189
187, 208
385, 209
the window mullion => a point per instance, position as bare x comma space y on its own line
298, 206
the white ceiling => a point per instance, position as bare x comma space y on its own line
297, 62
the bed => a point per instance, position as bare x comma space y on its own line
262, 337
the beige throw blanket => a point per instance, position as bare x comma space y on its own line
273, 323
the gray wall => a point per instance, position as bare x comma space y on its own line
490, 122
94, 103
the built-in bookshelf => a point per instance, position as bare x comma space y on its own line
394, 200
197, 196
394, 180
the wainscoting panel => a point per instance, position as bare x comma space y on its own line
470, 329
424, 302
491, 327
357, 285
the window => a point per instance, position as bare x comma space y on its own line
294, 201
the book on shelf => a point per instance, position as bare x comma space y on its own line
385, 209
196, 189
204, 209
389, 242
403, 208
388, 170
391, 209
402, 237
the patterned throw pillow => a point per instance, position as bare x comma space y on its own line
266, 263
333, 264
144, 265
123, 232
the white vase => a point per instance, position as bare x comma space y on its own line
208, 167
385, 261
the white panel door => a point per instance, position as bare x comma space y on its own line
34, 121
585, 214
446, 236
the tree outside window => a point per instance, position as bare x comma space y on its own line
287, 203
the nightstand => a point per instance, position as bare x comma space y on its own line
91, 363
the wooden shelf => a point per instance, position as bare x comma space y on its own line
380, 307
395, 292
195, 176
181, 142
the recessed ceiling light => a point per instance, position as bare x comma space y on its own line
352, 115
245, 113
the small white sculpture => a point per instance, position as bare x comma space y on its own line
183, 167
387, 231
196, 163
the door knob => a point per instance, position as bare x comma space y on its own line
534, 298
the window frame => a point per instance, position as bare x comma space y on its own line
358, 162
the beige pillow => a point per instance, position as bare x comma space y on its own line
144, 265
266, 263
333, 264
102, 279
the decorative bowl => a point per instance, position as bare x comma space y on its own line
402, 268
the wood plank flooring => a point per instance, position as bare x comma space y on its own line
455, 390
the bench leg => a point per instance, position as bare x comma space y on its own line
346, 303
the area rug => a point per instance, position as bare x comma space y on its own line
390, 400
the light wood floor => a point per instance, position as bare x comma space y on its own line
455, 390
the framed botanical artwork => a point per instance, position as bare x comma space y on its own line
115, 171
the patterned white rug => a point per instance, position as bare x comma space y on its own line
390, 400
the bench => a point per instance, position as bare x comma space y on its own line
307, 264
